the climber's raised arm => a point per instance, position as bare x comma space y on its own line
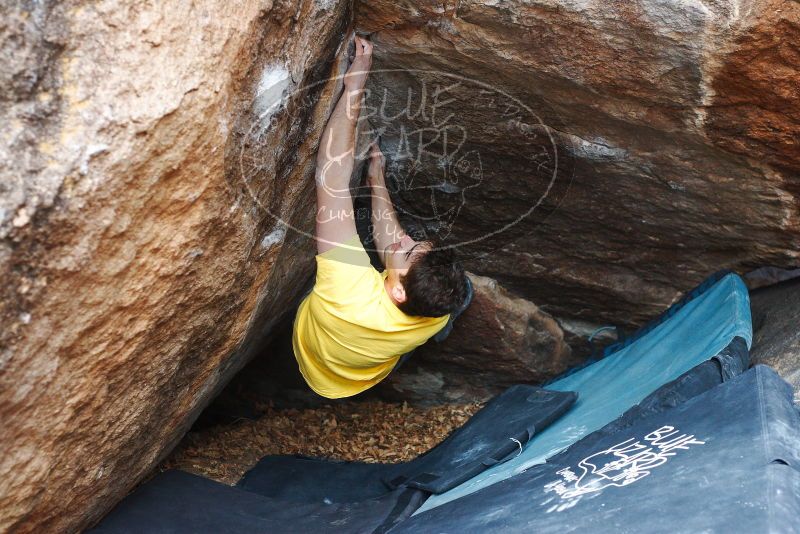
386, 226
335, 217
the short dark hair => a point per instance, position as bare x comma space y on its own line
435, 284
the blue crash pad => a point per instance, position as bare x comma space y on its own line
727, 460
686, 336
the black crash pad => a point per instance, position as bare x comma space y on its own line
726, 460
177, 502
304, 479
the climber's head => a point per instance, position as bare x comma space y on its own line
423, 278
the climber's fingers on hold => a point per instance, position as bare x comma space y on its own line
375, 150
363, 46
356, 75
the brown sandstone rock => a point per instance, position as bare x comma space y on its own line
755, 94
498, 341
655, 142
138, 264
674, 125
776, 336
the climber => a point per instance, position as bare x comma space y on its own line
354, 326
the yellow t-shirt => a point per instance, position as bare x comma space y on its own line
348, 334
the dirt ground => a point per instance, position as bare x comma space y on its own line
371, 431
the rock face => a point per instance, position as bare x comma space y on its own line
767, 276
776, 337
656, 141
595, 158
497, 342
143, 147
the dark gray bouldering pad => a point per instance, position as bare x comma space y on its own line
725, 461
177, 502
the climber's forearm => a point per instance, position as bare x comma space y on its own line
386, 226
335, 158
335, 219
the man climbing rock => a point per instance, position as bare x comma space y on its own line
353, 328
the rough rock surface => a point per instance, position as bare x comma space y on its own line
767, 276
145, 145
498, 341
776, 335
667, 129
139, 266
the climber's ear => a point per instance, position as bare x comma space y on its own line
398, 293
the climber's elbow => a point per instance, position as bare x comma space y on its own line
333, 175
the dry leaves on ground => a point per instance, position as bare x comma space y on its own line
367, 431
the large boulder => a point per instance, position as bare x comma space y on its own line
146, 155
600, 158
776, 336
594, 158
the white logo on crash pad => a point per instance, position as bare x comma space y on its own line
621, 464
